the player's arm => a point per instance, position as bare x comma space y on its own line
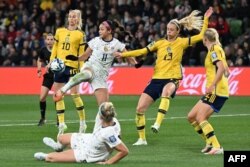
219, 73
39, 67
196, 38
122, 151
134, 53
55, 47
130, 60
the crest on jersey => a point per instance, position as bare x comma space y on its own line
105, 48
112, 139
169, 50
214, 55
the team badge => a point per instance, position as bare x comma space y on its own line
112, 139
105, 48
214, 56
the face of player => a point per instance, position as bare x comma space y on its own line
72, 19
49, 41
172, 31
104, 32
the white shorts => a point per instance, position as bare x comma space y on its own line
99, 79
78, 145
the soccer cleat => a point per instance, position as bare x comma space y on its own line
207, 148
52, 144
58, 96
62, 127
82, 128
41, 122
155, 128
140, 142
215, 151
40, 156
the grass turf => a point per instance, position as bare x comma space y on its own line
176, 145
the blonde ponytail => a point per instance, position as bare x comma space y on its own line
192, 21
107, 111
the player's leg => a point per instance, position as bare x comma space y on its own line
192, 120
60, 109
65, 156
167, 91
79, 107
101, 95
144, 102
42, 104
83, 76
202, 118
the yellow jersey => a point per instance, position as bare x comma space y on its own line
215, 54
169, 54
68, 42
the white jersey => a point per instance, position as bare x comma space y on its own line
102, 52
101, 144
98, 124
96, 146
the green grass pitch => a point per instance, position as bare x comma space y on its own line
176, 145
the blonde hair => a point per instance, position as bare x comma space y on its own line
79, 15
192, 21
212, 35
107, 111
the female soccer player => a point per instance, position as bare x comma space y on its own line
217, 92
100, 58
69, 41
93, 147
167, 70
48, 77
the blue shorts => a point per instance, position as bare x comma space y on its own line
65, 75
216, 102
155, 87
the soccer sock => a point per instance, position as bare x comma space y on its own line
140, 125
60, 108
198, 129
163, 108
79, 107
75, 80
42, 109
209, 133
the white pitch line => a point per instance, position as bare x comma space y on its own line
121, 120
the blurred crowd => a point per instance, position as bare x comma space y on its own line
23, 24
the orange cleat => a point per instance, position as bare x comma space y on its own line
58, 96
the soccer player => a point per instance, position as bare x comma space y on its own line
100, 58
48, 77
167, 70
217, 92
69, 41
93, 147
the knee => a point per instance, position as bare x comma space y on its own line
140, 109
190, 117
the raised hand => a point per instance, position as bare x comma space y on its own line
117, 54
209, 12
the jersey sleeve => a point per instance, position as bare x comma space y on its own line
111, 138
215, 56
54, 49
82, 44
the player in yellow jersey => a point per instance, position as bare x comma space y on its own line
69, 41
167, 70
217, 92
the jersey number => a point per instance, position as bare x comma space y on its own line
104, 57
66, 46
168, 56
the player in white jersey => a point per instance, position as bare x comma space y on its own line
93, 147
99, 60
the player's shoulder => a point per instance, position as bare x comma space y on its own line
60, 29
215, 48
80, 31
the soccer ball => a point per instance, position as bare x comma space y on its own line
57, 66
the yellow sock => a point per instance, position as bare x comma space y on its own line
60, 108
79, 106
163, 108
198, 129
209, 133
140, 125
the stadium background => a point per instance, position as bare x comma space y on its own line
22, 26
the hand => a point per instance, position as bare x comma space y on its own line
210, 89
39, 73
117, 54
72, 58
139, 64
209, 12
